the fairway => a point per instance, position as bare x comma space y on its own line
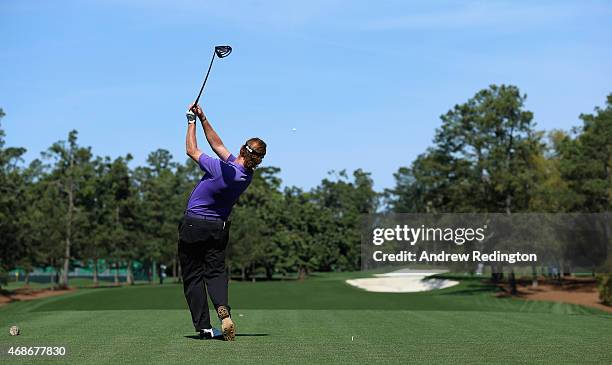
319, 320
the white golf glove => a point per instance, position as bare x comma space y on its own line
191, 117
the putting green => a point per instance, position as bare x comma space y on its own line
319, 320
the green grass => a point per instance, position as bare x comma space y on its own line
313, 322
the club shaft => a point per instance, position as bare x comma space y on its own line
206, 78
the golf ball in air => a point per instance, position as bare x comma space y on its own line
293, 129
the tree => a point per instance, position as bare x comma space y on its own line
585, 162
112, 215
552, 193
71, 169
255, 219
484, 159
11, 201
33, 236
159, 188
296, 234
342, 203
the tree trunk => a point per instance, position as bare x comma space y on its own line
534, 276
174, 270
269, 273
95, 273
154, 273
180, 273
116, 273
70, 193
66, 259
130, 274
493, 273
512, 283
301, 273
508, 203
148, 271
53, 276
27, 278
57, 277
606, 222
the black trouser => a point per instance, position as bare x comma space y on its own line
201, 250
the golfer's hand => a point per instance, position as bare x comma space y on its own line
191, 117
198, 111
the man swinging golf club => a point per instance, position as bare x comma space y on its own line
204, 230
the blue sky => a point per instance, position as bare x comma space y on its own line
363, 82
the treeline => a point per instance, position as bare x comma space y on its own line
70, 207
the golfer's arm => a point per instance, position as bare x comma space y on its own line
214, 141
191, 144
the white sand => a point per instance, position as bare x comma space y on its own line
403, 281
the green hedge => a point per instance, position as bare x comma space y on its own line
604, 284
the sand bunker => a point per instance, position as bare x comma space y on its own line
403, 281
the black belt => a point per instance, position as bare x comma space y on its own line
204, 217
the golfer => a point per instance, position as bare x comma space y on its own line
204, 230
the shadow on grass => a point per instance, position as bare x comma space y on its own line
459, 277
197, 337
473, 288
251, 334
262, 279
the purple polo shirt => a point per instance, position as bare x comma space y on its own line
219, 188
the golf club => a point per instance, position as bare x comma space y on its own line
221, 52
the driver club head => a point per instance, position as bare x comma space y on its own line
223, 51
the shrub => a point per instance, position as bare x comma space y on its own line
604, 284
